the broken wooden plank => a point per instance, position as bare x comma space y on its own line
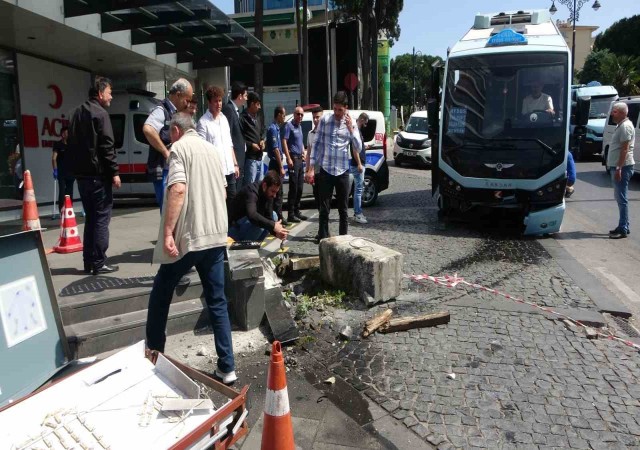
373, 324
408, 323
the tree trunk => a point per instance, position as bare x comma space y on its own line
374, 59
299, 35
258, 33
365, 84
305, 54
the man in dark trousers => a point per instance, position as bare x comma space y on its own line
92, 159
293, 146
252, 216
337, 134
231, 111
276, 156
252, 126
60, 167
156, 130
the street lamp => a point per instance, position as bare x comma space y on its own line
574, 14
415, 53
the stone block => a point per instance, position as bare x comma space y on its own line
244, 264
245, 302
362, 267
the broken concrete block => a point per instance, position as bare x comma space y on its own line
368, 270
244, 264
245, 299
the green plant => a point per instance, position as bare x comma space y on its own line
306, 303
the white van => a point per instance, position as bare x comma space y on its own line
412, 145
128, 111
634, 115
376, 177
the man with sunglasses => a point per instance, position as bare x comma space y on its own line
293, 148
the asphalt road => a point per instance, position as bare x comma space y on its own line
594, 198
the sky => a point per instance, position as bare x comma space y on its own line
433, 25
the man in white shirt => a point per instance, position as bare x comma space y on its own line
537, 100
213, 127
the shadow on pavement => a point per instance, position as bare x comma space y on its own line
575, 235
93, 284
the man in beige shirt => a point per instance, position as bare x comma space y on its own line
193, 232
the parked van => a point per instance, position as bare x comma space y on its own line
601, 99
412, 145
634, 114
376, 177
128, 111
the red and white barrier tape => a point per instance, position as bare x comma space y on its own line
450, 281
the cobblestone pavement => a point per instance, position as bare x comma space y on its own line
521, 380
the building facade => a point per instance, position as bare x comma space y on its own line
51, 50
584, 40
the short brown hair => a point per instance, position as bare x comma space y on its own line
272, 178
213, 92
341, 98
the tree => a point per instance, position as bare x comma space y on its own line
592, 69
622, 72
402, 80
376, 16
621, 38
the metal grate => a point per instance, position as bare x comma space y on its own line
626, 327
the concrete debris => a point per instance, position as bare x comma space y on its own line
290, 361
451, 376
591, 333
330, 380
346, 332
202, 351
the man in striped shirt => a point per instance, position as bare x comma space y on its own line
331, 150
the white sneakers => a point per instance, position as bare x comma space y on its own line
360, 218
227, 378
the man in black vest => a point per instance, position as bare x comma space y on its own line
156, 130
231, 110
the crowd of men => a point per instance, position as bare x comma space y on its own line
210, 186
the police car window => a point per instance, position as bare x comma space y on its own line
369, 132
138, 122
306, 127
118, 124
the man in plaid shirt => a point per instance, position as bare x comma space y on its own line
331, 150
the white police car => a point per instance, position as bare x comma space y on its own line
376, 177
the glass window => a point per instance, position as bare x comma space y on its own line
118, 125
138, 122
417, 125
11, 167
506, 108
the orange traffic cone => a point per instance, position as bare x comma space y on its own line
69, 241
30, 218
277, 433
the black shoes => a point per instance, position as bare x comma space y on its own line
293, 219
618, 234
301, 216
105, 269
284, 222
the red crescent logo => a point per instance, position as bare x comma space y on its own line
56, 90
